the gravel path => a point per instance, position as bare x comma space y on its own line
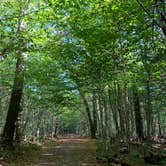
69, 152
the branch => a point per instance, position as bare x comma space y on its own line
6, 50
25, 14
146, 11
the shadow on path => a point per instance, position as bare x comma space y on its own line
69, 152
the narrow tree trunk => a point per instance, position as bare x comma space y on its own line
25, 124
94, 103
159, 121
114, 110
101, 114
55, 128
132, 119
106, 127
92, 128
138, 117
127, 112
121, 113
149, 116
14, 105
18, 129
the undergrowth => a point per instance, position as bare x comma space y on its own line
23, 155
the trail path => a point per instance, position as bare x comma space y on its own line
69, 152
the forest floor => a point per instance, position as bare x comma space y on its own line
69, 152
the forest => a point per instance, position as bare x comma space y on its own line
85, 76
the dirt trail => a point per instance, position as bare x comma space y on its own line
69, 152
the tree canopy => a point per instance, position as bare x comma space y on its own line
91, 67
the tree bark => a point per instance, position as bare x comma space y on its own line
114, 110
14, 104
159, 121
18, 129
121, 113
149, 116
138, 117
55, 128
94, 103
101, 115
92, 128
106, 116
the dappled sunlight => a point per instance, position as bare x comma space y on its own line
86, 164
69, 152
45, 163
47, 154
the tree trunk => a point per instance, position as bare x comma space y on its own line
127, 112
114, 110
149, 116
101, 119
138, 117
18, 129
94, 103
55, 128
14, 104
92, 128
121, 113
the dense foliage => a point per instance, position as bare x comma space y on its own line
92, 67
